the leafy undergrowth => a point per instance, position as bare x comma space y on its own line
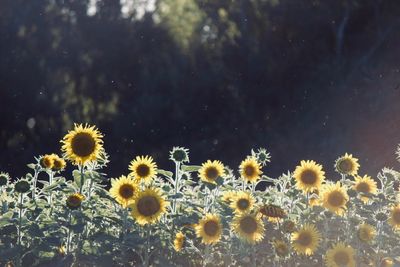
155, 217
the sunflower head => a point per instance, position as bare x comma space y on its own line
309, 176
209, 229
340, 255
46, 162
334, 197
178, 241
4, 178
306, 240
58, 163
22, 186
211, 170
347, 165
394, 217
366, 232
365, 184
242, 202
74, 201
123, 190
250, 169
148, 206
179, 154
281, 248
248, 227
82, 144
143, 168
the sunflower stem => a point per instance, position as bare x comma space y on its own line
35, 176
51, 176
21, 198
147, 254
69, 231
124, 233
177, 180
82, 182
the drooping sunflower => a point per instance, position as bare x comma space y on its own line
334, 198
306, 240
46, 162
58, 163
281, 248
123, 190
248, 227
250, 169
347, 165
178, 241
340, 255
394, 217
309, 176
4, 178
242, 202
228, 196
148, 206
366, 232
365, 185
211, 170
209, 229
74, 201
82, 144
143, 169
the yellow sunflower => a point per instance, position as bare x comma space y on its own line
334, 197
250, 169
281, 248
314, 199
365, 185
306, 240
82, 144
394, 217
228, 196
347, 165
248, 227
366, 232
339, 256
46, 162
58, 163
148, 206
211, 170
143, 169
123, 190
209, 229
242, 202
74, 201
309, 176
178, 241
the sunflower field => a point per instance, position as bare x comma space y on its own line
195, 215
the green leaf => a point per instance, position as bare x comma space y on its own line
190, 168
78, 178
166, 173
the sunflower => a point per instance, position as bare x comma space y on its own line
74, 201
347, 165
4, 178
143, 169
309, 176
148, 206
123, 190
228, 196
248, 227
46, 162
394, 217
22, 186
242, 202
178, 241
334, 197
211, 170
314, 198
83, 144
306, 240
365, 185
209, 229
58, 163
250, 169
340, 255
281, 248
179, 154
366, 232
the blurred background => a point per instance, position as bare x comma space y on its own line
306, 79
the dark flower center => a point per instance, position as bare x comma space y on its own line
345, 165
336, 199
309, 177
249, 170
126, 191
83, 144
211, 228
304, 239
143, 170
148, 206
248, 225
243, 204
341, 258
212, 173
